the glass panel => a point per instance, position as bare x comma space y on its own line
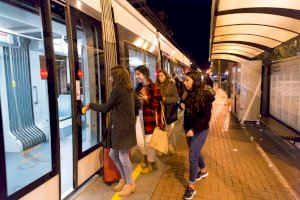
137, 58
24, 97
91, 63
178, 70
151, 64
62, 68
167, 65
285, 92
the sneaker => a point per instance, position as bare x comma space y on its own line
127, 190
120, 185
189, 193
201, 175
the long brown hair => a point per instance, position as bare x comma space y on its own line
168, 77
121, 77
194, 100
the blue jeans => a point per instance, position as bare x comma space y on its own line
195, 158
122, 162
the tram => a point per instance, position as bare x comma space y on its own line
52, 61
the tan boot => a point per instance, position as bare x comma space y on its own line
127, 190
155, 166
148, 169
144, 162
120, 185
171, 149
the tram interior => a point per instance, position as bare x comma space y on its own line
24, 98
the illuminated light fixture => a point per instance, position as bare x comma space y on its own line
139, 42
145, 45
135, 62
152, 48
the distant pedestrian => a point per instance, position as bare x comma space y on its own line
197, 114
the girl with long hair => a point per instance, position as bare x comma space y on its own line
122, 125
197, 114
150, 114
170, 99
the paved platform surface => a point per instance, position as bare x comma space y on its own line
239, 168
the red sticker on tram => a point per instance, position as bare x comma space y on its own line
44, 73
80, 73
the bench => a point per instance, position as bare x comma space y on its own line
280, 129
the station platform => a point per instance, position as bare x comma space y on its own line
243, 161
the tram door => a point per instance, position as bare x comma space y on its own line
64, 98
89, 75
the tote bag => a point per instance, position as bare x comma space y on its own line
159, 139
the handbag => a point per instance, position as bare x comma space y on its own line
159, 139
171, 113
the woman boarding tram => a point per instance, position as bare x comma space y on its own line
198, 104
123, 138
170, 98
150, 96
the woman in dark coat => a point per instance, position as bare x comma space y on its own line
122, 119
198, 104
170, 99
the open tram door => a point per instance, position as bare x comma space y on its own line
45, 78
79, 63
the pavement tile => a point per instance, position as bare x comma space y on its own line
236, 169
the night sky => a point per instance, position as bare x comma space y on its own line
189, 21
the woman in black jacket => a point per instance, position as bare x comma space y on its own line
123, 138
198, 104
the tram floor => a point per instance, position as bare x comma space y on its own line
35, 161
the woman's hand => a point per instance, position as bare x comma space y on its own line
190, 133
143, 97
182, 106
85, 108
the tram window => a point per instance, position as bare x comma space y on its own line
151, 64
137, 58
24, 97
91, 63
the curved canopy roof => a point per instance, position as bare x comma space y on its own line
241, 30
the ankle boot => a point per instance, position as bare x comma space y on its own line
144, 161
148, 169
154, 165
127, 190
120, 185
171, 149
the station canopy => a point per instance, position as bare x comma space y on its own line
243, 29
